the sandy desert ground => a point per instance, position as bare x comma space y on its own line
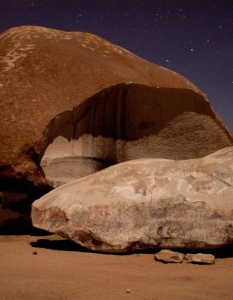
49, 267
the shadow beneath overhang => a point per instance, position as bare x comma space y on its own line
61, 244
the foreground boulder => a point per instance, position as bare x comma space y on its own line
45, 73
145, 203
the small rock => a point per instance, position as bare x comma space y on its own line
169, 256
128, 291
35, 253
200, 258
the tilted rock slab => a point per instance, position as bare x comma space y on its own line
129, 121
45, 72
145, 203
200, 258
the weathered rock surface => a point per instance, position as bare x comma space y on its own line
145, 203
129, 121
44, 72
169, 256
200, 258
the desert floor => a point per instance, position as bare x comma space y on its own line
49, 267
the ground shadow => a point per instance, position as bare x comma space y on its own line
67, 245
223, 252
62, 245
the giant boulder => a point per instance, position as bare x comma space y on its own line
45, 72
145, 203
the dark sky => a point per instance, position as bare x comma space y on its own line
192, 37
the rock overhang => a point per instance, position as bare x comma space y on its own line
128, 121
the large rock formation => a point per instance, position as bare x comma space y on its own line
145, 203
45, 72
130, 121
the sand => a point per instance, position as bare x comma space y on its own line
49, 267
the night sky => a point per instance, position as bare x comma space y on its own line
192, 37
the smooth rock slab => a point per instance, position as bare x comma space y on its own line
145, 203
200, 258
169, 256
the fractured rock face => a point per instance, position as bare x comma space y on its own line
129, 121
145, 203
45, 72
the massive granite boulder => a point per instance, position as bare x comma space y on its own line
145, 203
129, 121
44, 73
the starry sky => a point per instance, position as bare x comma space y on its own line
192, 37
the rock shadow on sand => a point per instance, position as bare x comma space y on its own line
67, 245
